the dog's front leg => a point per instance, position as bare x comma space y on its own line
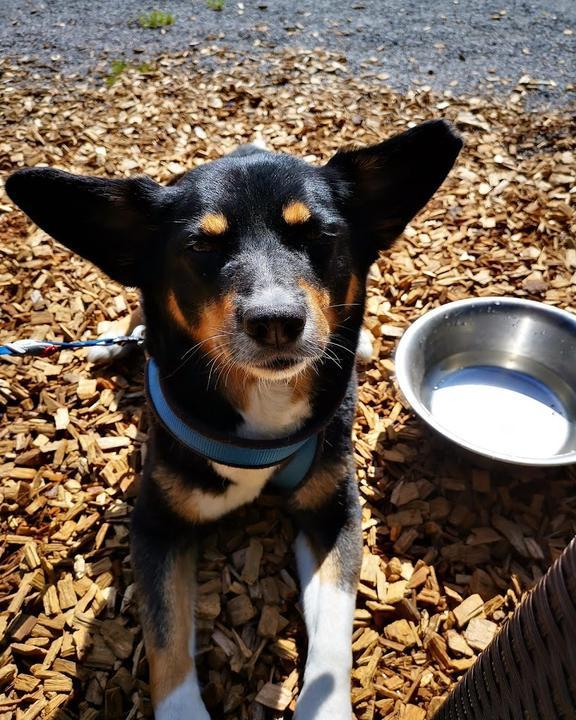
164, 564
328, 553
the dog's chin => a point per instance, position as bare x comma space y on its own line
278, 370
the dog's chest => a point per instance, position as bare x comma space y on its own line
271, 411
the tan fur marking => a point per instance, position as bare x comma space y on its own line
176, 313
180, 499
215, 320
319, 488
353, 290
329, 570
169, 665
296, 213
214, 223
237, 384
302, 384
319, 301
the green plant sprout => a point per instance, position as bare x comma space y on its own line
156, 19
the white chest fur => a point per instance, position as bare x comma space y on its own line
272, 411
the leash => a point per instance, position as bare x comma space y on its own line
45, 348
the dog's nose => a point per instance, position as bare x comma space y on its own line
275, 326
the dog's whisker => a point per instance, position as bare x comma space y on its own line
343, 305
187, 355
231, 366
197, 345
342, 328
225, 367
331, 343
214, 362
332, 356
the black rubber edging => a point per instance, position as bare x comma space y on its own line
528, 672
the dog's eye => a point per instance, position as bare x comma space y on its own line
330, 230
203, 244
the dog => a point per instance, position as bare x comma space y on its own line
252, 270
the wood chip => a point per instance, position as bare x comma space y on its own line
252, 564
458, 644
480, 633
240, 610
273, 696
61, 419
402, 632
469, 608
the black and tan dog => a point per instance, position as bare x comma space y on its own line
252, 270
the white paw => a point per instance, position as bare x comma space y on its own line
365, 347
259, 142
106, 353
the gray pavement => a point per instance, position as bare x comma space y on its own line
468, 45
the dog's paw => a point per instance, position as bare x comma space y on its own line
256, 146
365, 348
104, 353
100, 354
259, 143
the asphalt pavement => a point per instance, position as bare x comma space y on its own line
466, 45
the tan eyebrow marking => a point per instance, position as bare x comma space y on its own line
214, 223
296, 213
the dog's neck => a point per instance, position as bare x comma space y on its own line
273, 409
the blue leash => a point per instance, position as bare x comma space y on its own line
45, 348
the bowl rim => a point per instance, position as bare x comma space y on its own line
402, 357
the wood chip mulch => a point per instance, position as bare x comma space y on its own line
451, 546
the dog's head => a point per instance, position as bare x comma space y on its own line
254, 259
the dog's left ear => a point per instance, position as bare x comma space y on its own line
382, 187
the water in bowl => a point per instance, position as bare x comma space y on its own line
505, 411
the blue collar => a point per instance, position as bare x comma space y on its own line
298, 451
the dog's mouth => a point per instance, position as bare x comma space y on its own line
281, 363
280, 367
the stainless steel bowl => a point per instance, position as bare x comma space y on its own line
497, 376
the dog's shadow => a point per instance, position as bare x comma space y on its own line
313, 696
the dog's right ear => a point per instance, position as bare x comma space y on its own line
109, 222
